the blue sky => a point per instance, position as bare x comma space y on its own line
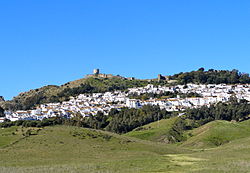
56, 41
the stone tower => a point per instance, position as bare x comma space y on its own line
96, 71
160, 77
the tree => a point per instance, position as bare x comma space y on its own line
201, 69
2, 112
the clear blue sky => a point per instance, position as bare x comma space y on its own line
56, 41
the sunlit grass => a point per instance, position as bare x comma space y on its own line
72, 149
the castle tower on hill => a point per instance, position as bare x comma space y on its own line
161, 78
97, 74
96, 71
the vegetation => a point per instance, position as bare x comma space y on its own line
177, 129
28, 100
164, 95
116, 121
232, 110
32, 123
172, 144
52, 93
208, 139
212, 77
9, 135
216, 133
127, 119
1, 112
166, 131
99, 85
74, 149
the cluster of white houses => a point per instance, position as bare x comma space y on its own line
86, 104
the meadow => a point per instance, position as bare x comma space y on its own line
75, 149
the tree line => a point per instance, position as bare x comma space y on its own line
1, 112
118, 121
126, 119
34, 123
237, 110
212, 77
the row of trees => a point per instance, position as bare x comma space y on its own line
116, 121
32, 123
1, 112
232, 110
129, 119
212, 77
125, 120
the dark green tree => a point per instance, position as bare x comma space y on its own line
2, 112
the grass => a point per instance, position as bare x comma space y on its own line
217, 133
232, 157
219, 146
156, 131
72, 149
9, 136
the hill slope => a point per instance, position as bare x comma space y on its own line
217, 133
53, 93
73, 149
232, 157
161, 131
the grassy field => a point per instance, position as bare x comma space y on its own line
8, 136
219, 146
217, 133
73, 149
155, 131
232, 157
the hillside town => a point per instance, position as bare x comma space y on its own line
89, 104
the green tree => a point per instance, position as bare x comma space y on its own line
2, 112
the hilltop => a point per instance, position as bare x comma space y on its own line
53, 93
107, 82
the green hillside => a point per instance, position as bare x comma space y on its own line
9, 136
233, 157
218, 146
213, 134
53, 93
217, 133
156, 131
73, 149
